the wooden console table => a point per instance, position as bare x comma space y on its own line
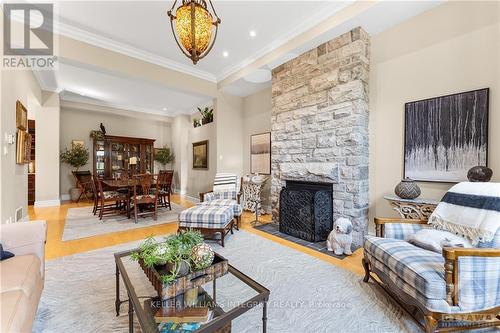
412, 208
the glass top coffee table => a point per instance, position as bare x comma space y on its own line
226, 298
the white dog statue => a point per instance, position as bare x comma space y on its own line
340, 238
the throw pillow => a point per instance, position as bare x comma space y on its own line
435, 240
5, 254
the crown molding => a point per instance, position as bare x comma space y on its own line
110, 44
299, 29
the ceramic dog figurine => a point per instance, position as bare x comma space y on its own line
340, 238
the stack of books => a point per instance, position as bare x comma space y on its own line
182, 320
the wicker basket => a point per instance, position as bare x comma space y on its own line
182, 284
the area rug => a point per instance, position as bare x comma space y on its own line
274, 229
307, 294
81, 223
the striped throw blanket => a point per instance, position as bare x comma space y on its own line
225, 182
471, 210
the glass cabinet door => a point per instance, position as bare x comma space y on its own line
117, 159
148, 159
100, 160
134, 159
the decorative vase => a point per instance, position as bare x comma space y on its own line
74, 193
479, 174
182, 267
407, 189
202, 255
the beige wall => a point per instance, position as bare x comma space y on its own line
452, 48
229, 124
47, 151
16, 85
181, 149
76, 124
256, 119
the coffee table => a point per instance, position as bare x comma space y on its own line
237, 294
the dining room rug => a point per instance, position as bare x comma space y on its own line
307, 295
81, 223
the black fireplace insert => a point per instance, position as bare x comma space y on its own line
306, 210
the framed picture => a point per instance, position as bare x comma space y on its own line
77, 142
21, 116
200, 155
27, 149
260, 153
446, 136
20, 147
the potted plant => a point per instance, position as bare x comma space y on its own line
76, 157
196, 123
207, 115
96, 135
164, 156
174, 254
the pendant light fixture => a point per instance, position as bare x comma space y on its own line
193, 27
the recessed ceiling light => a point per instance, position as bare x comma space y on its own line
225, 54
252, 33
164, 109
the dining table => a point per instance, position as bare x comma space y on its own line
128, 184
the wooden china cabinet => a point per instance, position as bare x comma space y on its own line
116, 155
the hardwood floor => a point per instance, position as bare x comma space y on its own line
55, 247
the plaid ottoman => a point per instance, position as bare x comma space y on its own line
210, 220
235, 206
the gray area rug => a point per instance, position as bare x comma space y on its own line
81, 223
307, 294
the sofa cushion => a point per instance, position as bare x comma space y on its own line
21, 273
420, 268
5, 254
16, 312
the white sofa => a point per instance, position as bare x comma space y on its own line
21, 277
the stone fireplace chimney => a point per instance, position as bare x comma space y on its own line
320, 125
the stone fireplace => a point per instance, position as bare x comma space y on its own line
320, 125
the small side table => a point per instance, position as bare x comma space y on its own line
420, 209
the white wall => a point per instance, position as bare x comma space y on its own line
76, 124
16, 85
452, 48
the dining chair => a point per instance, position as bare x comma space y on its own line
164, 181
95, 194
111, 202
145, 194
83, 182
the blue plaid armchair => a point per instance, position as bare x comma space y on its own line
226, 192
458, 287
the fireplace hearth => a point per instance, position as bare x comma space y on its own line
306, 210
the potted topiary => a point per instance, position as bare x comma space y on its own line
164, 156
207, 115
76, 157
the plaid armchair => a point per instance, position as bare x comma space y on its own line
226, 192
443, 287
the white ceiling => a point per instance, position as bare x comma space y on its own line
142, 29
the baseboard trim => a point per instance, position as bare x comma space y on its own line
48, 203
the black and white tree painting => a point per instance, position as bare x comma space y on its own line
446, 136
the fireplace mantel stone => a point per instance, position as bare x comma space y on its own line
320, 125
